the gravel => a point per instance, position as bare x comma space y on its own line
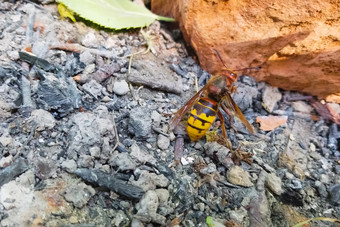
85, 142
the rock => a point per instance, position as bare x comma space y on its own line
10, 172
45, 168
69, 165
296, 184
270, 97
274, 183
90, 40
151, 73
238, 215
39, 120
93, 88
58, 94
6, 161
79, 194
334, 192
33, 204
302, 107
111, 182
27, 179
85, 161
140, 122
87, 58
6, 140
95, 151
263, 34
322, 190
87, 130
236, 175
123, 161
294, 157
210, 168
121, 87
244, 95
163, 196
163, 142
213, 149
147, 209
149, 181
141, 156
268, 123
156, 117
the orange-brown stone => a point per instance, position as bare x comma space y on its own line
297, 43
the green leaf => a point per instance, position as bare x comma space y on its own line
116, 14
209, 221
65, 12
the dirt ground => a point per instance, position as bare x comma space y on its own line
84, 137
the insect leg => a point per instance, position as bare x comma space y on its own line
230, 116
224, 132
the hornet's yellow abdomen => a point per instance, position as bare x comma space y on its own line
201, 117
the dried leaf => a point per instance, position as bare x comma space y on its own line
239, 155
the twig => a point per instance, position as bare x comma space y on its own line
77, 48
159, 131
26, 92
116, 133
29, 28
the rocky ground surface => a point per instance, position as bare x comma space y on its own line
84, 139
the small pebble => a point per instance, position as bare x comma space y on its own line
236, 175
274, 183
121, 87
163, 142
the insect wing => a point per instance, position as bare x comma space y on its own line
181, 112
231, 106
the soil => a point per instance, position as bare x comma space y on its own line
84, 137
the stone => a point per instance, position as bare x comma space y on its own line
236, 175
85, 161
322, 190
45, 168
69, 165
301, 106
274, 183
149, 181
163, 195
270, 98
121, 87
140, 122
238, 215
79, 194
123, 161
87, 58
295, 43
90, 40
15, 169
209, 169
147, 208
244, 95
6, 161
39, 120
334, 192
214, 149
163, 142
93, 88
141, 155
